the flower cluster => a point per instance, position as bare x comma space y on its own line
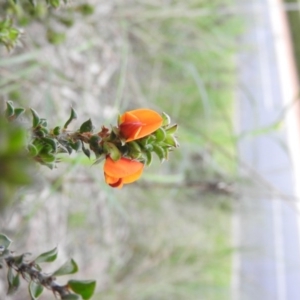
129, 146
126, 148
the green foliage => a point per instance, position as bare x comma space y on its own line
35, 290
48, 256
84, 288
45, 143
9, 34
19, 266
69, 267
16, 169
15, 14
87, 126
4, 241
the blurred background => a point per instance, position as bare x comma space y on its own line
187, 228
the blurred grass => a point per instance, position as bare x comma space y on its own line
169, 235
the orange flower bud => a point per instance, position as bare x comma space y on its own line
136, 124
122, 171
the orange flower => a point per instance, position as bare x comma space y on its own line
136, 124
122, 171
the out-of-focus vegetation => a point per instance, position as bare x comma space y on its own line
16, 15
15, 166
169, 235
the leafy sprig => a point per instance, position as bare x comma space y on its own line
19, 266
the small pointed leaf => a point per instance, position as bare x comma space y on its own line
112, 150
10, 276
35, 118
134, 145
43, 122
84, 288
48, 158
56, 130
172, 129
160, 134
87, 126
51, 142
69, 267
35, 290
48, 256
18, 111
4, 241
148, 155
171, 141
160, 152
87, 152
76, 146
9, 112
72, 117
166, 119
13, 282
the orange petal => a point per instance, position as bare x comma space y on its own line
110, 180
121, 168
129, 117
150, 119
133, 177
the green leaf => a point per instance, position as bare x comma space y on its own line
35, 118
160, 152
18, 260
10, 276
4, 241
71, 297
51, 142
43, 122
18, 111
94, 141
148, 156
166, 119
172, 129
56, 130
87, 126
85, 288
9, 112
76, 146
134, 145
13, 281
48, 256
35, 290
72, 117
3, 252
160, 134
112, 150
48, 158
171, 141
69, 267
87, 152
